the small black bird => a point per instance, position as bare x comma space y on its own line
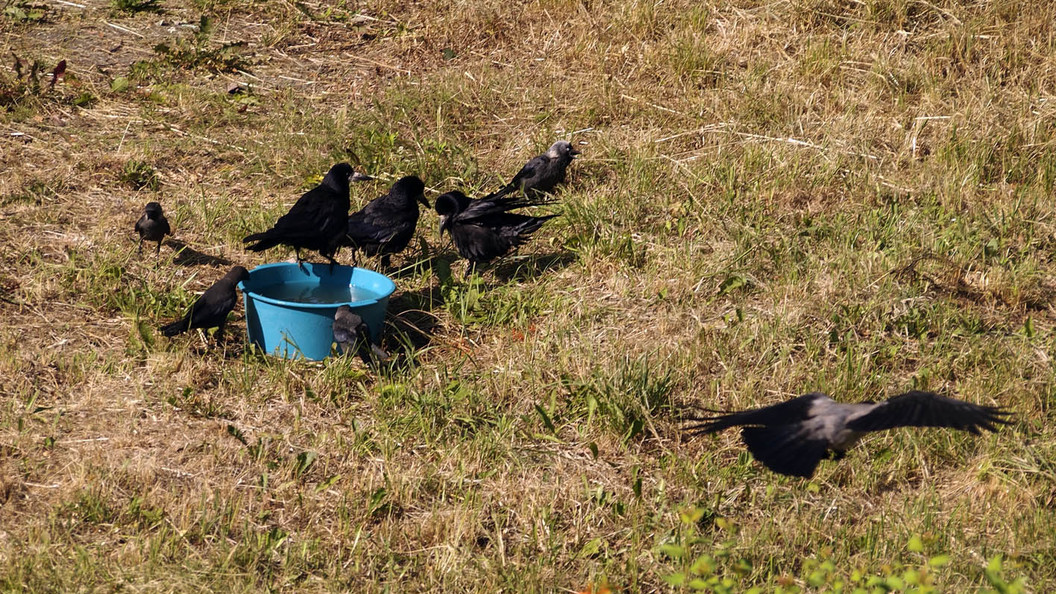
316, 221
353, 336
484, 229
543, 172
152, 226
386, 224
792, 437
211, 309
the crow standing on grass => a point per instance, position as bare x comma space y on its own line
316, 221
484, 229
542, 173
152, 226
211, 309
353, 336
386, 224
792, 437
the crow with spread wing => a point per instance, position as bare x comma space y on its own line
792, 437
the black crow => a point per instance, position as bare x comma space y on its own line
484, 229
792, 437
211, 309
386, 224
152, 226
542, 173
353, 336
316, 221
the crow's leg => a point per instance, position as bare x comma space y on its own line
300, 262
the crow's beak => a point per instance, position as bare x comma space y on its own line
573, 152
357, 176
421, 198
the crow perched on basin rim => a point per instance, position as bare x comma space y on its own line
316, 221
792, 437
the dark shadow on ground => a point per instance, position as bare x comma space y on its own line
185, 255
522, 268
410, 322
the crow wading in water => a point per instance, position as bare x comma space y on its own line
211, 309
386, 224
484, 229
152, 226
792, 437
316, 221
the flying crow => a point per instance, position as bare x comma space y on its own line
792, 437
386, 224
353, 336
152, 226
316, 221
484, 229
542, 173
211, 309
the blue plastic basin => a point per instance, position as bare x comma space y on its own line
290, 309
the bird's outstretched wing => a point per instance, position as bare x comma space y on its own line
784, 413
926, 409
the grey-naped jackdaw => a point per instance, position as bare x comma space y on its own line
792, 437
152, 226
542, 173
352, 334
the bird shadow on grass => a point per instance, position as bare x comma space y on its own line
523, 268
185, 255
410, 321
449, 267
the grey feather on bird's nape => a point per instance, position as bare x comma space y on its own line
559, 148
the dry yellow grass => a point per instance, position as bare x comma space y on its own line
775, 197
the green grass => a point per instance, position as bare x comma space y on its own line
851, 197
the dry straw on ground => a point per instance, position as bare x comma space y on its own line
775, 197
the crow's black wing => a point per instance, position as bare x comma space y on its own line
478, 243
784, 413
530, 172
209, 311
926, 409
371, 227
315, 210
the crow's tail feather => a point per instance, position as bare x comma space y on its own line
175, 328
264, 241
